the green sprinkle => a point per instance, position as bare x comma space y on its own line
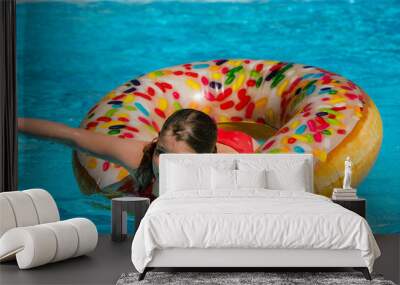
229, 80
330, 111
111, 112
332, 121
274, 150
254, 74
277, 79
114, 132
326, 132
177, 106
130, 108
259, 81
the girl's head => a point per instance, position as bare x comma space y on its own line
185, 131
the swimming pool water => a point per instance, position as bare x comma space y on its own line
70, 54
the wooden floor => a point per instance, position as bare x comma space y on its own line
110, 259
102, 266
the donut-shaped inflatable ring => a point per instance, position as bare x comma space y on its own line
295, 108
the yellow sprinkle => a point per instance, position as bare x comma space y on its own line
109, 124
207, 109
300, 137
150, 128
295, 124
270, 114
282, 87
261, 102
234, 62
110, 95
122, 174
238, 82
193, 105
223, 119
124, 115
162, 103
152, 75
92, 163
129, 99
270, 62
216, 75
193, 84
337, 100
214, 67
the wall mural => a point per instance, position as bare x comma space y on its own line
99, 89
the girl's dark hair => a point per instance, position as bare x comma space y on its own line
194, 127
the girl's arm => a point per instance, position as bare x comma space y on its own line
126, 152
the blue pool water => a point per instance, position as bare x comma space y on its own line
69, 54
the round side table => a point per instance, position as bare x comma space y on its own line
119, 214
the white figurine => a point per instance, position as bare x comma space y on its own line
347, 174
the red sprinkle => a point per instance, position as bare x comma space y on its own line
204, 80
128, 135
91, 125
119, 97
339, 108
144, 120
236, 119
225, 70
284, 130
151, 91
103, 119
106, 164
225, 94
249, 110
178, 72
175, 94
341, 131
191, 74
227, 105
259, 67
209, 96
351, 96
268, 145
251, 82
123, 119
155, 126
311, 125
132, 129
291, 140
318, 137
261, 120
140, 94
159, 112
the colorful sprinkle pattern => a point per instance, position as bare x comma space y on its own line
313, 109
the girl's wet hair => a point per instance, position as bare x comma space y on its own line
195, 128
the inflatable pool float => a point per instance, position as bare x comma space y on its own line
288, 107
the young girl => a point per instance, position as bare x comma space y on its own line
185, 131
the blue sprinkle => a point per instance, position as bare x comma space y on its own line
142, 109
318, 75
116, 106
301, 129
202, 65
310, 89
310, 75
298, 149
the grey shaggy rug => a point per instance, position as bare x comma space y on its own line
229, 278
